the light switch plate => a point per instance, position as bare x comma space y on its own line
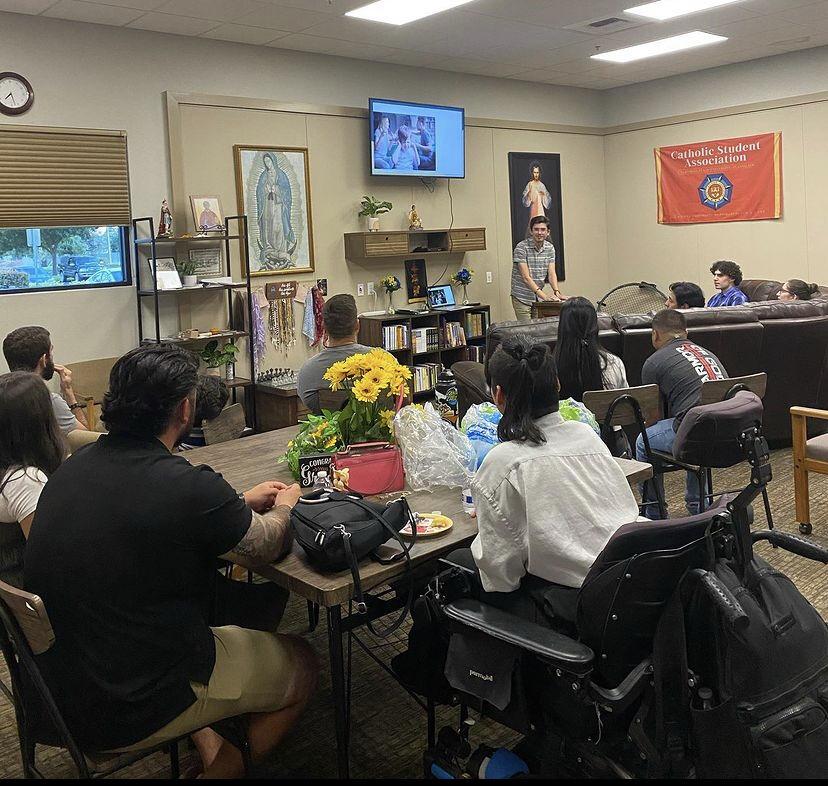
360, 290
371, 290
488, 276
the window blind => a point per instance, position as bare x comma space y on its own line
63, 177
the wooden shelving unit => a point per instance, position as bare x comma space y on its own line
371, 334
421, 243
148, 248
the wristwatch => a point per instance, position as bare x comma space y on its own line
77, 405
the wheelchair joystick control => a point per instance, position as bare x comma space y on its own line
706, 698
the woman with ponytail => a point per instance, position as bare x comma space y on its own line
797, 289
548, 497
583, 364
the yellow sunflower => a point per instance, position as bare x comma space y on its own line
336, 374
387, 415
377, 376
365, 391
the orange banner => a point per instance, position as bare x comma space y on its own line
723, 180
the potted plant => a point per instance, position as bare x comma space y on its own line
187, 270
463, 277
317, 434
373, 209
390, 284
215, 356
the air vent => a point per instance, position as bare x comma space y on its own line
606, 25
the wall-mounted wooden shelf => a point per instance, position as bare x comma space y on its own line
420, 242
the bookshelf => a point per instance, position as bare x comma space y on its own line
429, 340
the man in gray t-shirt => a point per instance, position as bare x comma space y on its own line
30, 349
533, 265
678, 367
341, 327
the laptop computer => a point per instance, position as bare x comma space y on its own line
441, 297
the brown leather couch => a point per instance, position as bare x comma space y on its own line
788, 340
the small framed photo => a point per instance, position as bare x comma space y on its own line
207, 261
207, 213
416, 284
166, 273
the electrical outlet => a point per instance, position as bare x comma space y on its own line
488, 276
371, 290
360, 290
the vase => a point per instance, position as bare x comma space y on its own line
373, 223
390, 309
188, 281
465, 296
230, 372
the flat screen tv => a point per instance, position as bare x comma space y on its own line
416, 140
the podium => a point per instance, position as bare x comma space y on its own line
546, 308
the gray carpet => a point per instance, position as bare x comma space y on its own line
388, 734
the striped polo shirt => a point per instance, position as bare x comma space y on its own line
538, 262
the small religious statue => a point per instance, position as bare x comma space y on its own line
165, 223
414, 221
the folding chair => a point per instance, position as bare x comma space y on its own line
809, 455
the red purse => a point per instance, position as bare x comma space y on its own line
373, 467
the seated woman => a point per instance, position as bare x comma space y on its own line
548, 497
31, 449
582, 363
796, 289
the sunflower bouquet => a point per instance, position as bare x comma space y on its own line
375, 380
317, 434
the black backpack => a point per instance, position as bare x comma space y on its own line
766, 715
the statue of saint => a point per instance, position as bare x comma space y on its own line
414, 219
165, 223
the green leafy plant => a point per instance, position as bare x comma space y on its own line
317, 434
14, 279
186, 267
371, 206
215, 356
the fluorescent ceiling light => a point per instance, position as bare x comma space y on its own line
401, 12
670, 9
663, 46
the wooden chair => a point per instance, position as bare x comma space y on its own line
79, 437
639, 406
90, 379
715, 390
809, 455
230, 424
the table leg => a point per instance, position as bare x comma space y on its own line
338, 689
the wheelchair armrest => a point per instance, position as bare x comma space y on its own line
672, 461
568, 653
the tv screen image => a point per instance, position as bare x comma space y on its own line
419, 140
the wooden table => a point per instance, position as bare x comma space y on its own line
246, 462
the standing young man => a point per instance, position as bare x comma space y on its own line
533, 265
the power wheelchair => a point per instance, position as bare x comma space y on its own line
678, 648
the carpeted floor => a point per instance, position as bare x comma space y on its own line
388, 727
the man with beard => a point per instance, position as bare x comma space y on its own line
127, 576
30, 349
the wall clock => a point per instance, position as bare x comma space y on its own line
16, 94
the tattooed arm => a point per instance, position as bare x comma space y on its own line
269, 535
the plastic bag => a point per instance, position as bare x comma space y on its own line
571, 409
434, 452
480, 426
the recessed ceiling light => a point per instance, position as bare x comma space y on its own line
401, 12
663, 46
669, 9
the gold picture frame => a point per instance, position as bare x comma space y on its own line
207, 209
273, 191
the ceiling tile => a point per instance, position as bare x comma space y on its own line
25, 6
92, 12
774, 6
244, 34
805, 15
338, 7
281, 17
219, 10
141, 5
176, 25
408, 57
480, 67
330, 46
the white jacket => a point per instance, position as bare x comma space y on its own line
548, 509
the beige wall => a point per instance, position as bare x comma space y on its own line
94, 76
790, 247
339, 166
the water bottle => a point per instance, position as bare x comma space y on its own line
445, 391
468, 503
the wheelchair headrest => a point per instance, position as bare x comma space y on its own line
709, 434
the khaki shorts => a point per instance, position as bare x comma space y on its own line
523, 311
254, 672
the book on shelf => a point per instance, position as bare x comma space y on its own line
477, 322
424, 376
455, 335
425, 339
395, 337
474, 352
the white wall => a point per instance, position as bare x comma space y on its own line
771, 78
103, 77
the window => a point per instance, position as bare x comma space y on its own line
51, 258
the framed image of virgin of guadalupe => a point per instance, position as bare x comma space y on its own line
273, 191
535, 190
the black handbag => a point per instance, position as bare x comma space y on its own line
337, 529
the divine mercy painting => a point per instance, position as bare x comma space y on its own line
273, 189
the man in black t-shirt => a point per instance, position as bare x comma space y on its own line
126, 566
679, 367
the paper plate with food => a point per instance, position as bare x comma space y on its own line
429, 525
